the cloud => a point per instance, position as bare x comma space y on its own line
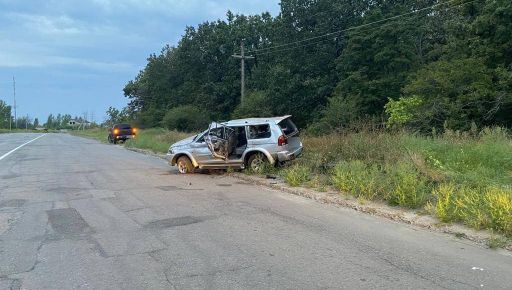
61, 24
23, 55
184, 8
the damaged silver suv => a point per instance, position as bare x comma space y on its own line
238, 144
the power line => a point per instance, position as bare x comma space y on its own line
363, 25
242, 56
326, 39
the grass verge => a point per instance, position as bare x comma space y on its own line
156, 140
457, 177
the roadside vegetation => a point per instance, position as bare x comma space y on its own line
457, 176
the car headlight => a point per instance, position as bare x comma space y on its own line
171, 151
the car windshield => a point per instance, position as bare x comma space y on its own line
124, 126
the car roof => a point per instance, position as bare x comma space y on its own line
255, 121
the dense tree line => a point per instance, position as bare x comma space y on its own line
7, 120
446, 66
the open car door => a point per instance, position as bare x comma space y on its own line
217, 140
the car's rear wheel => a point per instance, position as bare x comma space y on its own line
184, 165
257, 162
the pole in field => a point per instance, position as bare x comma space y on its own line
14, 94
242, 57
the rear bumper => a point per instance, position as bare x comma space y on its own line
288, 156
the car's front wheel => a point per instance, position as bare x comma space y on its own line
184, 165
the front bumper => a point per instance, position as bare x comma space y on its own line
170, 158
125, 137
288, 156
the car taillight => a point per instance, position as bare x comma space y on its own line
116, 131
282, 140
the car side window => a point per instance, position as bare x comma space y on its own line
259, 132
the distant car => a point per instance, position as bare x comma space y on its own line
121, 132
238, 144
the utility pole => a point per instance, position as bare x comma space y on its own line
14, 90
242, 57
10, 119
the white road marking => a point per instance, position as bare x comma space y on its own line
12, 151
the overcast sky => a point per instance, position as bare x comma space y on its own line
73, 56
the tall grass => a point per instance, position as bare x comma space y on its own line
461, 176
157, 140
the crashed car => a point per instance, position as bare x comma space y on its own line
238, 144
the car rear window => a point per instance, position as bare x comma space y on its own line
288, 127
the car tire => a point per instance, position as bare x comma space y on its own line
185, 165
256, 162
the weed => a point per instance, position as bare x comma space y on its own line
496, 242
296, 175
357, 178
407, 187
499, 206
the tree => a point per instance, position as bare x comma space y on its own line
186, 118
307, 68
456, 93
5, 115
36, 122
50, 122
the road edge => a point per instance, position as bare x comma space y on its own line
405, 216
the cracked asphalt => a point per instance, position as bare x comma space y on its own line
77, 214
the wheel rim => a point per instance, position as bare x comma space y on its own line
257, 162
182, 167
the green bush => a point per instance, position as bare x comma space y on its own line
186, 119
478, 208
358, 179
499, 206
296, 175
407, 187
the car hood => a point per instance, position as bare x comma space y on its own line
184, 142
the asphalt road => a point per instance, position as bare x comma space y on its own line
77, 214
